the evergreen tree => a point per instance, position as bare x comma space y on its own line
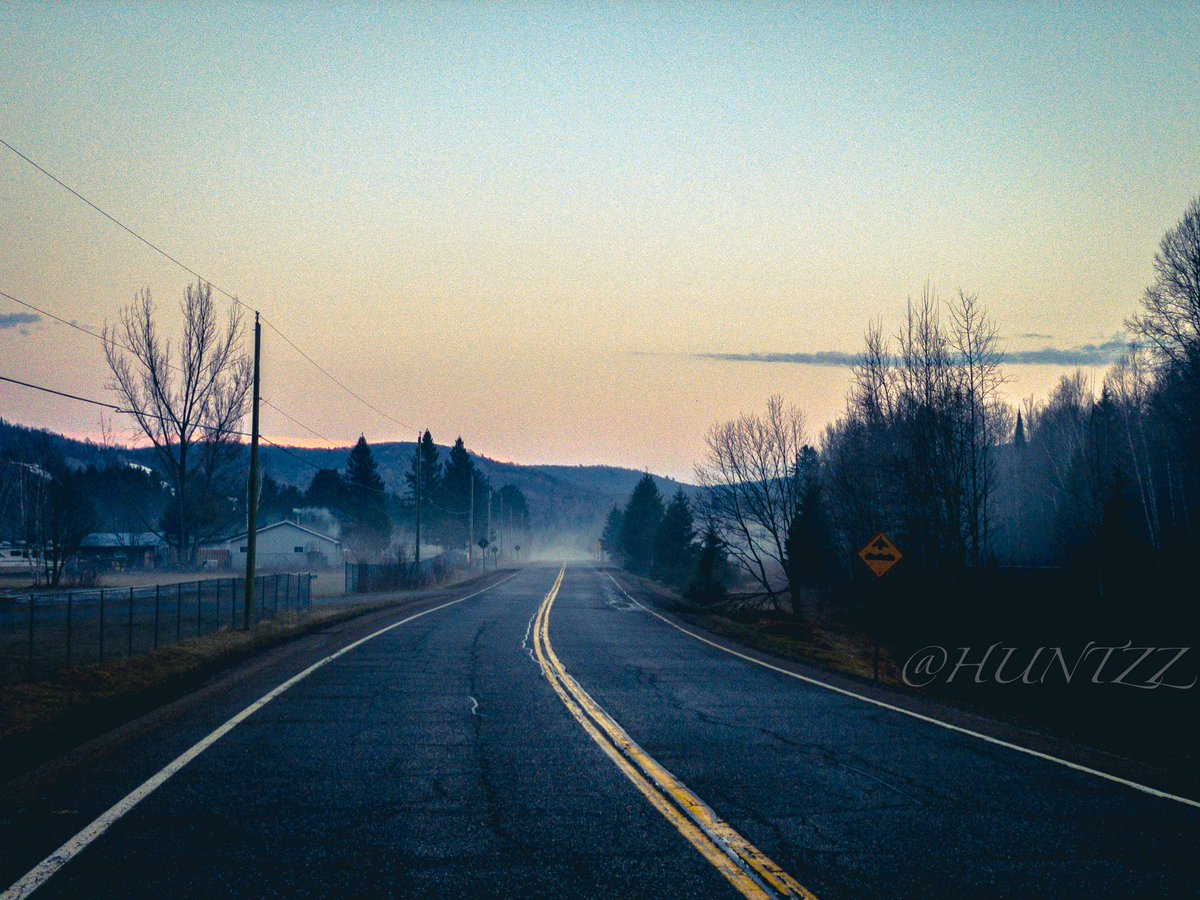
367, 525
430, 468
1019, 433
639, 524
455, 495
277, 501
674, 550
362, 472
328, 489
712, 570
610, 538
809, 541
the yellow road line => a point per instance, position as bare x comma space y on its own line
745, 866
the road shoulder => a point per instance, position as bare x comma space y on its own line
1183, 781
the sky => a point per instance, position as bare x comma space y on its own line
583, 233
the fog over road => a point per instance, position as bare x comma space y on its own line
454, 755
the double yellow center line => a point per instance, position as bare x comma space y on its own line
743, 864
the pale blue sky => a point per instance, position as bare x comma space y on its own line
478, 214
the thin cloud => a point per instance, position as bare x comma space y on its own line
833, 358
17, 320
1101, 354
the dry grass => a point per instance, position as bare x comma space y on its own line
819, 641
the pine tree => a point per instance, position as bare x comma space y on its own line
610, 537
674, 550
455, 494
328, 489
1019, 433
430, 467
712, 570
368, 527
809, 544
362, 472
639, 523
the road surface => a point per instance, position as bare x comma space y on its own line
549, 737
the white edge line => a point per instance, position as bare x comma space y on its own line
43, 871
916, 715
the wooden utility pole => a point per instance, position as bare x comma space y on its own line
252, 486
471, 522
417, 550
489, 523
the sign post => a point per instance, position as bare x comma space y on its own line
879, 555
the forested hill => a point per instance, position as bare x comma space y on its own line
571, 497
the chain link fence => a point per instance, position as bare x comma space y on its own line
42, 633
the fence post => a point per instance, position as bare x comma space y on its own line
129, 638
29, 658
217, 614
178, 610
275, 602
233, 604
70, 604
157, 598
199, 605
101, 624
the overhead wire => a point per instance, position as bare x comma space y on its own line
119, 409
106, 340
209, 282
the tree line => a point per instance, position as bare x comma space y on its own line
650, 537
1102, 480
188, 402
454, 498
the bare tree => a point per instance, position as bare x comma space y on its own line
1130, 385
914, 452
983, 419
1170, 317
754, 491
190, 407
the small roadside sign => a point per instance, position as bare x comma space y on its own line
880, 555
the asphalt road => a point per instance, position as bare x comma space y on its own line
437, 759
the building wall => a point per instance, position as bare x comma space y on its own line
288, 547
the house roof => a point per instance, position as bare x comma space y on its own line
324, 537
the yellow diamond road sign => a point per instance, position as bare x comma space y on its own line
880, 554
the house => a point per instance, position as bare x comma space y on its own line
284, 546
122, 550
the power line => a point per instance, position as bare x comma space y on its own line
209, 282
120, 409
296, 421
335, 380
106, 340
51, 315
119, 223
129, 412
38, 387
